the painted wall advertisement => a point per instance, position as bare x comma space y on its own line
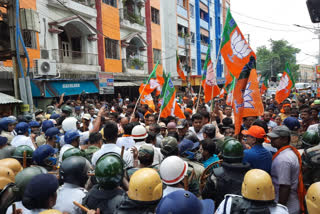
106, 81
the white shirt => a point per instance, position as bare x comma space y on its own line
68, 193
199, 134
170, 189
279, 209
19, 205
63, 149
111, 147
127, 142
20, 140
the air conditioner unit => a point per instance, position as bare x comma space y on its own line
44, 67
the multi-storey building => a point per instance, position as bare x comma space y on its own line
72, 42
307, 73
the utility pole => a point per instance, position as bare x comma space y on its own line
187, 66
12, 26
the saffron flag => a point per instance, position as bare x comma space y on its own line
209, 79
247, 99
147, 99
285, 85
167, 95
179, 69
154, 82
235, 50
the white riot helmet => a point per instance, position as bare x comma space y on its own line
139, 132
173, 169
69, 123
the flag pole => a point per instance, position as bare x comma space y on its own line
162, 102
215, 68
135, 107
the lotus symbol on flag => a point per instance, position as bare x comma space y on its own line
284, 82
211, 75
239, 46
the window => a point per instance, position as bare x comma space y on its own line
155, 16
191, 10
193, 64
76, 46
30, 39
156, 56
112, 48
182, 3
112, 3
192, 37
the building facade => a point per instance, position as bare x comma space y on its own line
72, 42
307, 73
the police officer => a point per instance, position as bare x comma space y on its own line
66, 112
310, 158
257, 196
72, 140
7, 128
313, 198
45, 156
40, 193
21, 181
53, 137
182, 201
107, 194
143, 194
23, 138
19, 151
12, 164
74, 173
228, 178
73, 152
47, 124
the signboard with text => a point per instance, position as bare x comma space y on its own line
106, 81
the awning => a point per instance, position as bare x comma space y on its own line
123, 84
6, 99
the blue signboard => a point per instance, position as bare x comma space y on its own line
56, 88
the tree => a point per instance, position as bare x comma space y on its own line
272, 61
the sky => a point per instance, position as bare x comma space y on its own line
275, 19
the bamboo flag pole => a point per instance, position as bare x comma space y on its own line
81, 206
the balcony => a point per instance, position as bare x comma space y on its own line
135, 64
182, 11
132, 21
181, 41
82, 7
74, 57
204, 2
204, 48
204, 24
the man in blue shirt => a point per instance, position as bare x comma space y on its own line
257, 156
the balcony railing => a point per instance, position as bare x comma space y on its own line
135, 64
204, 48
204, 24
74, 57
131, 17
181, 41
182, 11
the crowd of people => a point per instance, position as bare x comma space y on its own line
92, 156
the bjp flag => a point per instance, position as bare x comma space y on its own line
147, 99
285, 85
179, 69
235, 50
209, 79
247, 99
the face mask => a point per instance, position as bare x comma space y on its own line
57, 139
52, 160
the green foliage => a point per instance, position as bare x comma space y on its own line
272, 61
137, 63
